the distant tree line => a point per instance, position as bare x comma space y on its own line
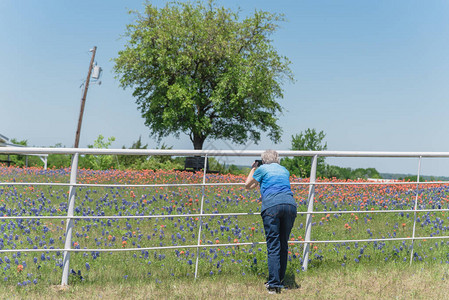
311, 140
104, 162
98, 162
299, 166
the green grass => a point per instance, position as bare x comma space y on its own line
365, 282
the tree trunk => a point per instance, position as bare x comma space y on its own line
198, 142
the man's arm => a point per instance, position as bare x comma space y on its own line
250, 182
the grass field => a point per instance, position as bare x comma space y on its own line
346, 269
367, 282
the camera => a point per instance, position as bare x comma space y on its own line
258, 162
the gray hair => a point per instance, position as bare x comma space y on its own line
270, 156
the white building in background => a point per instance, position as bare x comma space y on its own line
5, 142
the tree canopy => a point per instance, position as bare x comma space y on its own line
200, 70
308, 140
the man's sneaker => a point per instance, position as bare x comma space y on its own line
266, 284
274, 290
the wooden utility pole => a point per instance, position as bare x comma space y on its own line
83, 100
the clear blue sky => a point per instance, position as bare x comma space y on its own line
373, 75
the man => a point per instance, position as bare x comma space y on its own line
278, 213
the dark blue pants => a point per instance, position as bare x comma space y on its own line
278, 222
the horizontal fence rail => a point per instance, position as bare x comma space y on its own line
312, 183
171, 152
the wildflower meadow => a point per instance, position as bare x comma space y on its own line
231, 244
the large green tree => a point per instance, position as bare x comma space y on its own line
203, 71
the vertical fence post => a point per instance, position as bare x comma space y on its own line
69, 226
415, 208
311, 196
200, 218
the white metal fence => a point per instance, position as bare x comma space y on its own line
215, 153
